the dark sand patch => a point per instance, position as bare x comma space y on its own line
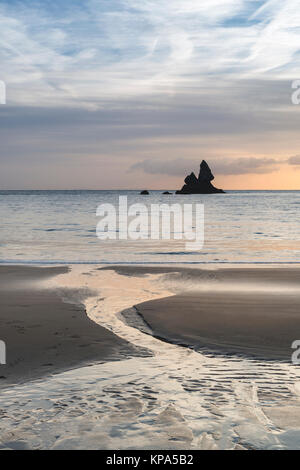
44, 335
250, 311
273, 275
258, 325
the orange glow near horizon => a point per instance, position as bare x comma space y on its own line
285, 178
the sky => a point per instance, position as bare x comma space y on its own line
133, 94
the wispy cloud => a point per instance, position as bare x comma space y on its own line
59, 53
147, 85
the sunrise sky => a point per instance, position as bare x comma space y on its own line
135, 93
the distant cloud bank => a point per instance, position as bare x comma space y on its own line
221, 166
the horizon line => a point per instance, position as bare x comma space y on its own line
140, 189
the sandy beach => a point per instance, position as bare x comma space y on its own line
87, 367
250, 311
44, 334
262, 326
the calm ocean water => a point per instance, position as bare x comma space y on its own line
60, 227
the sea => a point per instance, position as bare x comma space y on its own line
51, 227
174, 397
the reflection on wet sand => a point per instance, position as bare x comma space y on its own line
173, 398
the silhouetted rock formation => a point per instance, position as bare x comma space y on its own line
167, 192
200, 185
145, 192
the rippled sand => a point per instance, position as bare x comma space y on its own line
173, 398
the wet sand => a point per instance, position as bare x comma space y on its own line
45, 335
263, 326
172, 398
250, 311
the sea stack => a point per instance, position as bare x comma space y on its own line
200, 185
